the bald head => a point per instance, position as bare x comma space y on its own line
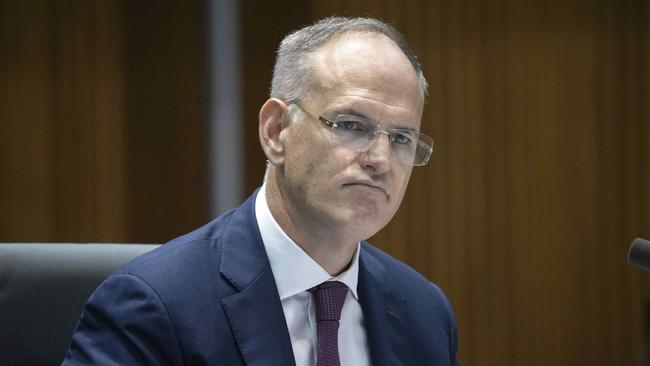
293, 74
368, 59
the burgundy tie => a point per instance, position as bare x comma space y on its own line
329, 298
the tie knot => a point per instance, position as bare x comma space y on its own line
329, 298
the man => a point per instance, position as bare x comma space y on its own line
286, 278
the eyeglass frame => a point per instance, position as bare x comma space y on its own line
331, 124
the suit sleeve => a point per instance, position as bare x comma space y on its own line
124, 322
453, 341
453, 332
447, 321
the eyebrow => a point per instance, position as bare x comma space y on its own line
356, 113
353, 113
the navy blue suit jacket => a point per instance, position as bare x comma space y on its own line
209, 298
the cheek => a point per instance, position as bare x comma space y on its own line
401, 183
298, 158
405, 181
308, 165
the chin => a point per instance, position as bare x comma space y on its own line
364, 224
360, 217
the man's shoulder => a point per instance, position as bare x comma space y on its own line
191, 246
401, 277
397, 268
198, 255
424, 310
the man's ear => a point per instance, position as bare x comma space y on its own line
271, 122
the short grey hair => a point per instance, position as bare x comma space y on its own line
293, 74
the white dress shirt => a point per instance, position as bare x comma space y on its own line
295, 272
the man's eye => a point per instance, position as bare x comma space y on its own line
355, 126
401, 138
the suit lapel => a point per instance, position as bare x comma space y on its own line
255, 311
383, 312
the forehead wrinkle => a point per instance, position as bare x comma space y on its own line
355, 113
360, 97
401, 117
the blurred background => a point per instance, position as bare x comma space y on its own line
136, 121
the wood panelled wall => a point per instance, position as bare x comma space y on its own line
539, 178
102, 114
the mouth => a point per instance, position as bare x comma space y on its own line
368, 186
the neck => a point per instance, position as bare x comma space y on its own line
320, 241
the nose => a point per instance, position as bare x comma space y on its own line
377, 157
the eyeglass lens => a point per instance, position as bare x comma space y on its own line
407, 146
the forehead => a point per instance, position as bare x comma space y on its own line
367, 73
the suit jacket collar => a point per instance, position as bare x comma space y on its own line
384, 312
255, 311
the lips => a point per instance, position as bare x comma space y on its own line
368, 184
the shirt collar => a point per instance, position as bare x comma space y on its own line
293, 269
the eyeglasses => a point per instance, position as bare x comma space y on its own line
356, 133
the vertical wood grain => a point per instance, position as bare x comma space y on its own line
102, 116
62, 121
